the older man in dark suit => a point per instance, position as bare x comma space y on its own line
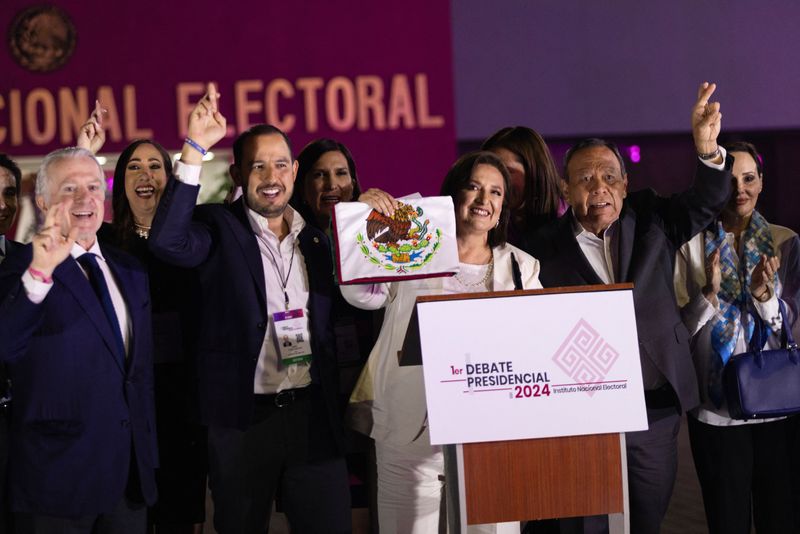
271, 409
609, 236
75, 325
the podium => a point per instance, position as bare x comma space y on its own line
530, 393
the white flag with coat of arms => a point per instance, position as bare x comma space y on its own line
418, 241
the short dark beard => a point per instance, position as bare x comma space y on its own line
266, 212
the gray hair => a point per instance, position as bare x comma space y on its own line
42, 177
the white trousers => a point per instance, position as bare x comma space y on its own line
410, 492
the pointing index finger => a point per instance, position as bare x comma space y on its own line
98, 112
65, 222
211, 92
52, 215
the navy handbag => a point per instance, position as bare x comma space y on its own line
761, 383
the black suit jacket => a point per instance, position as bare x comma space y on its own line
11, 246
78, 410
651, 229
219, 243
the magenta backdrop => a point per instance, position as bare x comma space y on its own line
379, 76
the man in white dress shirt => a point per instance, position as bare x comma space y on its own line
271, 408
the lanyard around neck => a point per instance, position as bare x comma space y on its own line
284, 281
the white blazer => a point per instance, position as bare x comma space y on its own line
389, 400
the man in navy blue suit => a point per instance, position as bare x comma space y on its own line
75, 325
271, 409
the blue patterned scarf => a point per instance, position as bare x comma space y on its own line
734, 293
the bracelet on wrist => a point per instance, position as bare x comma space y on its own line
705, 156
39, 276
192, 143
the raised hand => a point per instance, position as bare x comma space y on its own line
706, 120
379, 200
713, 278
206, 126
762, 279
54, 241
92, 135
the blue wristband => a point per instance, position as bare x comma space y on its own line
191, 142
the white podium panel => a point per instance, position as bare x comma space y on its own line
531, 366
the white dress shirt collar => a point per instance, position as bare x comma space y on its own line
260, 224
578, 229
600, 252
78, 250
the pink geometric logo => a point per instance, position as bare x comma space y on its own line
585, 356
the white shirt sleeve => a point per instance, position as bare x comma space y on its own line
366, 296
697, 312
718, 166
35, 289
188, 174
769, 311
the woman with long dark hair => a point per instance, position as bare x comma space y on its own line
327, 175
142, 172
535, 193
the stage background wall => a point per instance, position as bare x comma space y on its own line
628, 70
580, 67
375, 75
451, 73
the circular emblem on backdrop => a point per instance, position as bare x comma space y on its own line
41, 38
400, 243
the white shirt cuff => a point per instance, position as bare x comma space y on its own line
717, 166
188, 174
697, 312
769, 311
35, 289
365, 296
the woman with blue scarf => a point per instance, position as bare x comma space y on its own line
739, 267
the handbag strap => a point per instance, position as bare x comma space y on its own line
759, 338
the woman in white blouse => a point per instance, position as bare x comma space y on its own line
739, 266
409, 467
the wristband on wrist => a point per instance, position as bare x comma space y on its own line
39, 276
705, 156
192, 143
